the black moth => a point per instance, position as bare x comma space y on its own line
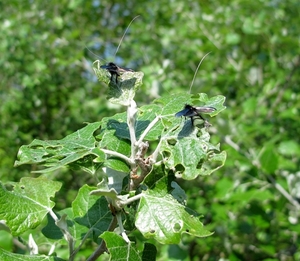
115, 70
194, 112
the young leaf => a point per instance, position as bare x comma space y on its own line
115, 128
26, 206
123, 91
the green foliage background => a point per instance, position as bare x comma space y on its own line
48, 90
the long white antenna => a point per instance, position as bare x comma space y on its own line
118, 45
95, 54
125, 34
197, 71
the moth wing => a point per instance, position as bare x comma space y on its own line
206, 109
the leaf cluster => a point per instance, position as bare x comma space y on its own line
138, 185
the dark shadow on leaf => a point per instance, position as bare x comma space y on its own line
122, 130
51, 230
116, 89
192, 212
97, 219
186, 130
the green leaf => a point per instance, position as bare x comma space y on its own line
57, 153
149, 253
122, 92
91, 212
117, 164
115, 133
174, 103
191, 155
8, 256
268, 159
51, 230
158, 172
289, 148
26, 206
245, 195
119, 248
116, 126
163, 218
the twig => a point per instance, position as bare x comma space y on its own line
119, 155
132, 199
131, 115
122, 230
150, 126
63, 226
80, 245
231, 143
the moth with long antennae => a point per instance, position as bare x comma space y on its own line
192, 111
111, 67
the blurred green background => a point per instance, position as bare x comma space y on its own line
48, 90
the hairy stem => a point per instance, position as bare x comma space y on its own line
131, 116
119, 155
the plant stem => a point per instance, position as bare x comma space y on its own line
150, 126
131, 116
122, 230
119, 155
62, 225
132, 199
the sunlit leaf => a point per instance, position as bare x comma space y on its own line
91, 212
162, 217
120, 249
123, 91
8, 256
26, 206
55, 154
